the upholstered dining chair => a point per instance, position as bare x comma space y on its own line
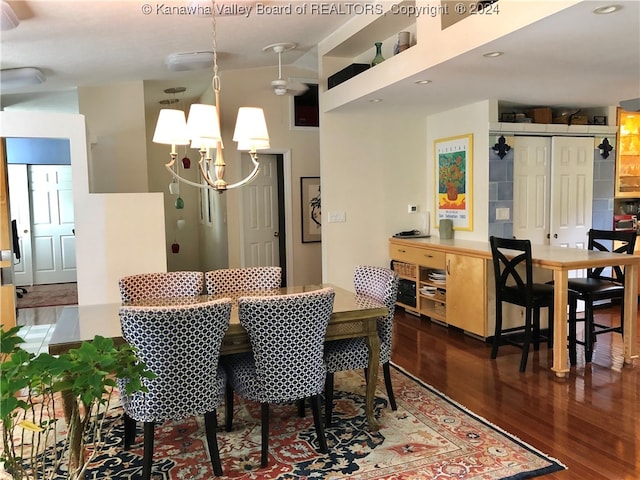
511, 259
161, 284
353, 354
600, 284
181, 346
229, 280
286, 365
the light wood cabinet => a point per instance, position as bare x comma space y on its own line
457, 283
628, 155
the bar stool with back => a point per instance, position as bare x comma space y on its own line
599, 284
510, 256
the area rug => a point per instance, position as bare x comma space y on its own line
49, 295
428, 437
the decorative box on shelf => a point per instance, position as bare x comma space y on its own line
540, 115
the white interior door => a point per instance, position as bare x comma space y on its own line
553, 190
571, 191
260, 214
53, 236
20, 211
531, 184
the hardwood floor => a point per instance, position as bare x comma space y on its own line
589, 421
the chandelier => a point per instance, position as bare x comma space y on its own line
202, 131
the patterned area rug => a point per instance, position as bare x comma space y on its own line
49, 295
428, 437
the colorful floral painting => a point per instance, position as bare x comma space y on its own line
453, 180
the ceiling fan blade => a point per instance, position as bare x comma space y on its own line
297, 88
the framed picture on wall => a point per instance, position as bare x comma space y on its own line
311, 209
454, 174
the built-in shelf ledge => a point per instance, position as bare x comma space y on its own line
506, 128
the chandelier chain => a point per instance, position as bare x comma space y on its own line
216, 77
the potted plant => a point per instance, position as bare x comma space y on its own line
51, 406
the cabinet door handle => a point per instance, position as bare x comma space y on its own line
402, 251
428, 256
448, 267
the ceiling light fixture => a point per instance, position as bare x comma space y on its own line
202, 131
605, 10
493, 54
8, 19
422, 82
13, 78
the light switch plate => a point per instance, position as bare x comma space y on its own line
503, 213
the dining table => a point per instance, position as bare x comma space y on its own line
354, 315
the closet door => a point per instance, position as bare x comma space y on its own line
553, 189
571, 190
531, 184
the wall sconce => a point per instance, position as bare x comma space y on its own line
501, 148
605, 147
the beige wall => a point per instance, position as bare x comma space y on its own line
115, 121
373, 167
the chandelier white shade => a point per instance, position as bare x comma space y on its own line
203, 126
171, 128
251, 130
202, 129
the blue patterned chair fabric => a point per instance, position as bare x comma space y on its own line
286, 365
242, 279
352, 354
181, 345
160, 285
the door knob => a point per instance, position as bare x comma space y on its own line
276, 234
25, 231
555, 235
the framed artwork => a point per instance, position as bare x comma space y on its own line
311, 209
454, 174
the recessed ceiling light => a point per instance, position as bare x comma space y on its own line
375, 100
492, 54
607, 9
422, 82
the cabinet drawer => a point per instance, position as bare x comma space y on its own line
430, 258
404, 254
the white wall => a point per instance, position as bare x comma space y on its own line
115, 234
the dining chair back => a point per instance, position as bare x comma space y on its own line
181, 346
602, 283
513, 273
287, 334
380, 284
229, 280
161, 284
